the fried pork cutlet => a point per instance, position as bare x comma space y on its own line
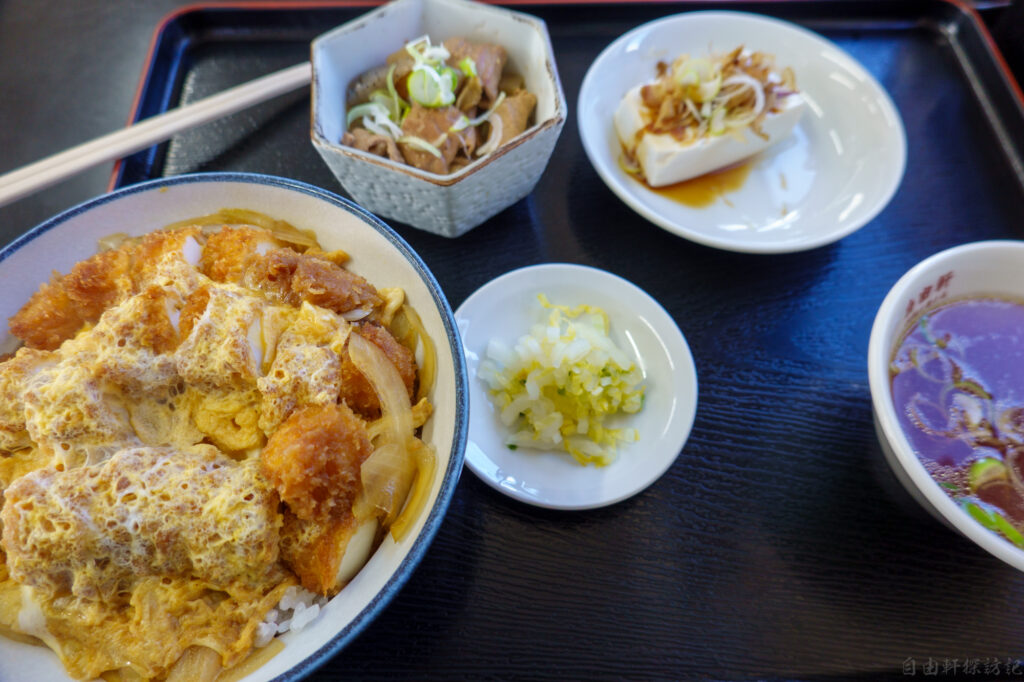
314, 460
63, 306
315, 551
229, 253
356, 391
293, 277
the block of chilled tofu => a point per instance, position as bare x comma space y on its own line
665, 160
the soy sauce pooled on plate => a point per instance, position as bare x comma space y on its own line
958, 386
704, 190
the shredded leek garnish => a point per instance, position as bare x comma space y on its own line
698, 97
558, 386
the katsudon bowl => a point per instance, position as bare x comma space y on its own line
378, 254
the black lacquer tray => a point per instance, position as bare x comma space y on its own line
779, 545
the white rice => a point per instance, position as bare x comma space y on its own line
298, 608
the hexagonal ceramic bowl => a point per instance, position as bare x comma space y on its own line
447, 205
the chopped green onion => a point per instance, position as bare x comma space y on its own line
452, 75
468, 67
430, 54
984, 471
430, 88
410, 47
993, 520
382, 126
382, 98
493, 139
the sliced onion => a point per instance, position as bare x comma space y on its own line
749, 81
387, 384
718, 121
365, 110
493, 140
387, 475
421, 144
389, 472
693, 109
420, 494
487, 114
418, 333
629, 165
356, 314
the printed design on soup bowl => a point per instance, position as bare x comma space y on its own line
947, 394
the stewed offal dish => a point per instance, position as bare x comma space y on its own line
438, 107
204, 435
958, 388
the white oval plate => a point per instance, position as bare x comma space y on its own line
837, 171
505, 308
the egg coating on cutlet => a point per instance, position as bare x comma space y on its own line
306, 366
95, 530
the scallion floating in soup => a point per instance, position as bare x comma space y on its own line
958, 388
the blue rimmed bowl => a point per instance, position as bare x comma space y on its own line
378, 254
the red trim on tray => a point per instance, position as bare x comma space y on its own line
962, 5
969, 9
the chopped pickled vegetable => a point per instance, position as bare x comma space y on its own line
558, 386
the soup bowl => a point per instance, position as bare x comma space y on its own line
980, 270
378, 254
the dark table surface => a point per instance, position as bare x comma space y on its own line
778, 546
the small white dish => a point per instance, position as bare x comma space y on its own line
505, 308
835, 172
